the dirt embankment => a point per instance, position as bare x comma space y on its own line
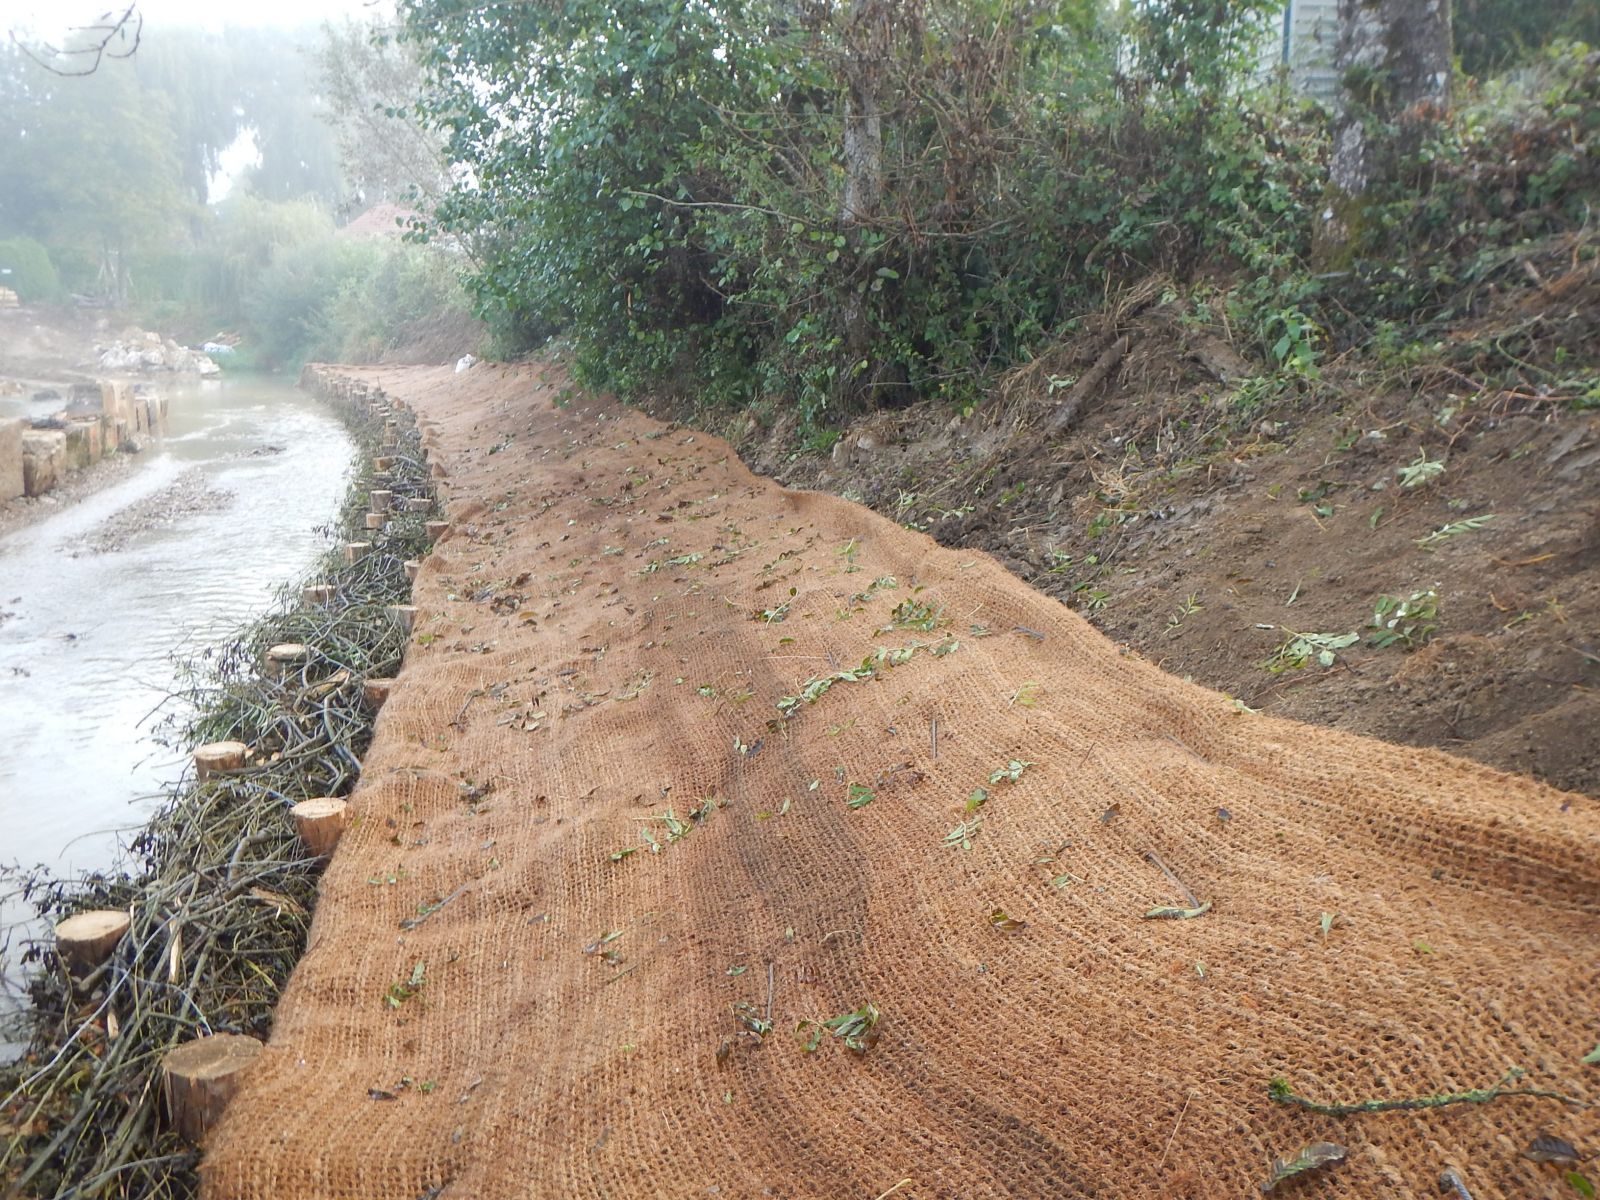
1207, 535
723, 840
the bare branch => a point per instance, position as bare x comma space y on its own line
125, 29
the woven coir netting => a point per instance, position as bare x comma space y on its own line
681, 752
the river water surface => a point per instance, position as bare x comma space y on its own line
98, 597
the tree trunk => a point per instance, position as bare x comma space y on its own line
1393, 59
867, 46
866, 52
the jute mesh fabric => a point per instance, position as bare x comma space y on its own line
607, 636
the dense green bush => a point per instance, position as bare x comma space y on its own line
31, 273
820, 207
1511, 167
399, 294
666, 182
280, 275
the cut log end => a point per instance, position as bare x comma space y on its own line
418, 504
199, 1078
375, 520
376, 691
218, 758
436, 529
412, 566
380, 500
87, 939
285, 656
316, 594
404, 615
354, 552
319, 822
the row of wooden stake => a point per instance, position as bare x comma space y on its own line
200, 1076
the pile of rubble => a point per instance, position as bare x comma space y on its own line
139, 350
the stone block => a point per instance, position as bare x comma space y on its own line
85, 445
116, 399
44, 460
11, 478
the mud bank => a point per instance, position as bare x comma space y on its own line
218, 889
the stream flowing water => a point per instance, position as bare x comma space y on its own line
97, 598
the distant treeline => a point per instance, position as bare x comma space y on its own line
199, 183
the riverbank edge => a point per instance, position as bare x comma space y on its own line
218, 887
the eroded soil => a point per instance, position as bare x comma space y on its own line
1204, 536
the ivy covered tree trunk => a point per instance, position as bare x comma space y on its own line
1394, 63
863, 122
865, 63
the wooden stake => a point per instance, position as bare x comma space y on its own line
412, 566
375, 520
354, 552
376, 691
199, 1078
87, 940
404, 615
319, 823
436, 529
382, 463
219, 758
285, 656
380, 500
317, 593
418, 504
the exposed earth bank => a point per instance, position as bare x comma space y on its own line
1206, 532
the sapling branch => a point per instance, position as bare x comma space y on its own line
1282, 1093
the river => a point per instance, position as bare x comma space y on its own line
98, 597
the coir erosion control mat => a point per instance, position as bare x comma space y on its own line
721, 840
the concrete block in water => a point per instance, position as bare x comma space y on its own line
85, 445
116, 399
11, 479
153, 408
44, 460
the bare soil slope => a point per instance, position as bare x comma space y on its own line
677, 753
1205, 540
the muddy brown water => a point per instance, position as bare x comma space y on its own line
99, 597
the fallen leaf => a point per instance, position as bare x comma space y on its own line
1314, 1157
1173, 913
1549, 1148
1001, 920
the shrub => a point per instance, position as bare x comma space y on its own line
32, 275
